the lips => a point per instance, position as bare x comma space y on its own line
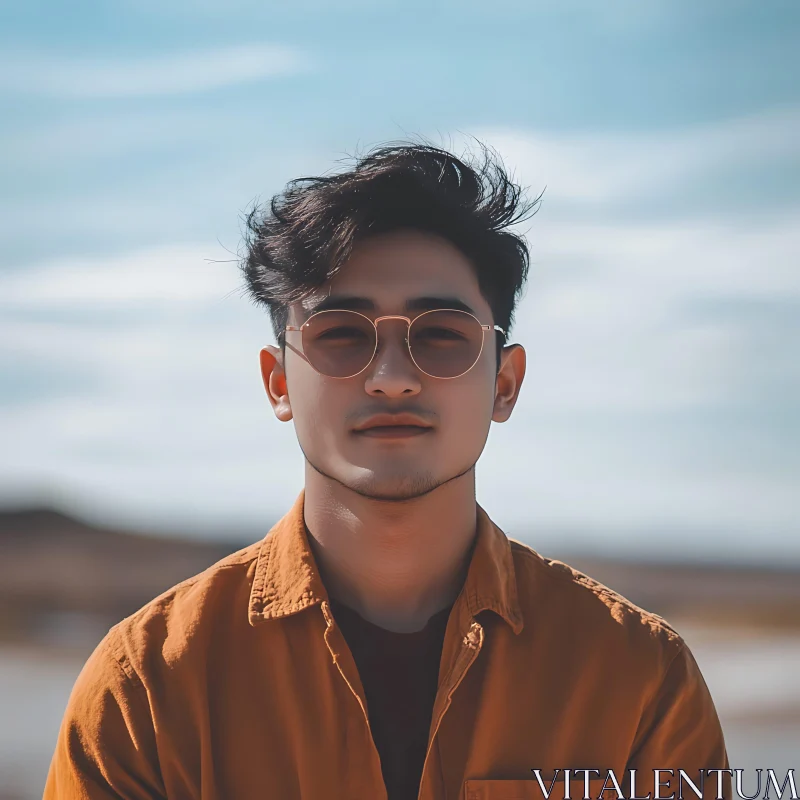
393, 431
392, 421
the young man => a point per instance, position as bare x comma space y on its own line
386, 639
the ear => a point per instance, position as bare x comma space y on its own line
509, 381
275, 384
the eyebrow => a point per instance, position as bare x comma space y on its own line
354, 303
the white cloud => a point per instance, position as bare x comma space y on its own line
699, 257
174, 275
593, 167
604, 321
149, 76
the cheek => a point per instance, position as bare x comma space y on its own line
476, 391
467, 412
318, 410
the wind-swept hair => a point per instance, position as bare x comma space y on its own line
307, 233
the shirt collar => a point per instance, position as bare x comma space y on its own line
287, 579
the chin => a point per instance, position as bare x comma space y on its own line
394, 488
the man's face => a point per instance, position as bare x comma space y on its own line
388, 270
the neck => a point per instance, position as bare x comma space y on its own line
395, 563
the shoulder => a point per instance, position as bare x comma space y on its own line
571, 605
183, 620
147, 673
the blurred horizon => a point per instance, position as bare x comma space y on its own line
660, 415
559, 541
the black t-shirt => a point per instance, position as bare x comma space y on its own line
400, 675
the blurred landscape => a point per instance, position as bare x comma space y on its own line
64, 582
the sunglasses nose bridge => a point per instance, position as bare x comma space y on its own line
391, 316
378, 336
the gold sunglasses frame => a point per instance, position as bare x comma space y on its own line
409, 322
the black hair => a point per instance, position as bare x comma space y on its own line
306, 234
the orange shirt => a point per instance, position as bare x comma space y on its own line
238, 684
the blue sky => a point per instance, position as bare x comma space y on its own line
661, 410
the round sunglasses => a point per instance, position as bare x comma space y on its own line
442, 343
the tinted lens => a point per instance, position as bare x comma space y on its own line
339, 343
446, 344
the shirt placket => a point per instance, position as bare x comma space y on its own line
373, 785
470, 647
370, 783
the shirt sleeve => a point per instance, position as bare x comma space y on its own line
106, 746
680, 730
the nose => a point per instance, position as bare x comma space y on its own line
392, 372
